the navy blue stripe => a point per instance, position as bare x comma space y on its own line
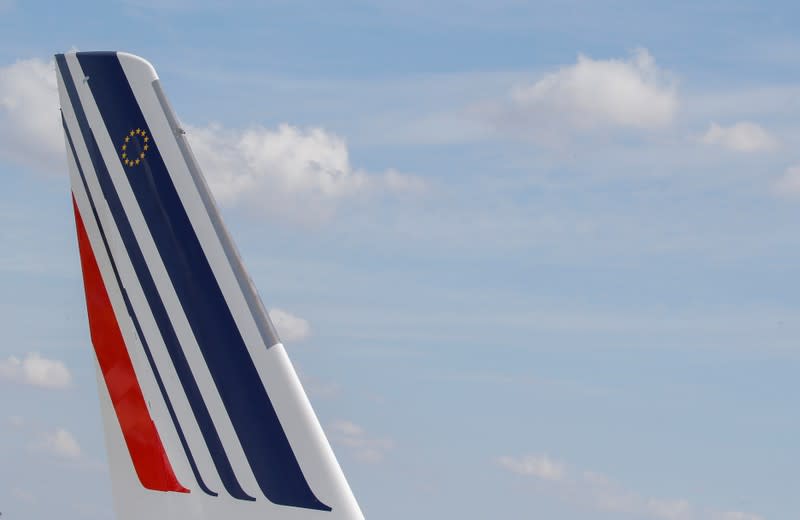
136, 324
243, 394
171, 342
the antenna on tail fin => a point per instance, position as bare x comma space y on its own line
204, 415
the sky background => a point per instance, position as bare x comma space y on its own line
531, 259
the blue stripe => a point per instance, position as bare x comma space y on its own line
244, 396
136, 324
171, 342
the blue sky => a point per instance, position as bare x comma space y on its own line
532, 259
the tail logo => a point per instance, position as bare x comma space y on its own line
134, 147
166, 242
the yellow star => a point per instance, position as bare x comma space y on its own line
138, 131
141, 155
124, 155
146, 147
127, 138
124, 146
137, 161
132, 133
146, 139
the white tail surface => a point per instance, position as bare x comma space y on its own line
204, 415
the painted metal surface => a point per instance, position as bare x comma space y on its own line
223, 397
144, 444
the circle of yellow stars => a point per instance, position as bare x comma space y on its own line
131, 158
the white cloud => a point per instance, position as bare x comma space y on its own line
789, 183
317, 388
539, 466
36, 371
669, 509
30, 131
23, 495
16, 421
303, 174
289, 326
736, 515
743, 136
141, 7
60, 443
365, 448
600, 492
632, 93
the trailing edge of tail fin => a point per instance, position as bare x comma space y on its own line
203, 413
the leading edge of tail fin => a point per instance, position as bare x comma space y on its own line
203, 412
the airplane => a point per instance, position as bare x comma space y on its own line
203, 413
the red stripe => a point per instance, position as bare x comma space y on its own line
144, 444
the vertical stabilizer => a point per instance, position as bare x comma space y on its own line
204, 415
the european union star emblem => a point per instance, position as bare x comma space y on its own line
134, 147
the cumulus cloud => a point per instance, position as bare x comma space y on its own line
30, 129
301, 173
741, 137
289, 326
23, 495
318, 388
16, 421
35, 370
539, 466
736, 515
365, 448
788, 184
60, 443
669, 509
591, 94
600, 492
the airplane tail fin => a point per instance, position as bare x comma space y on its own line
204, 415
